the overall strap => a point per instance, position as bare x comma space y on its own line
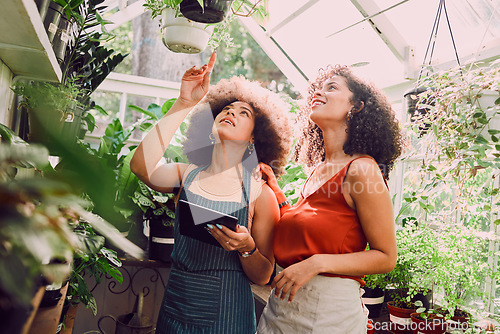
192, 174
246, 182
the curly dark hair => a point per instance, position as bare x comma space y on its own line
272, 133
373, 131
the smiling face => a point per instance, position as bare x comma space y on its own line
331, 101
235, 122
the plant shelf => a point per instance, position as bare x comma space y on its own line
24, 44
47, 318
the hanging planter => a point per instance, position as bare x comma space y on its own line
414, 102
182, 35
213, 11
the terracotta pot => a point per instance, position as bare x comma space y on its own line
432, 325
400, 319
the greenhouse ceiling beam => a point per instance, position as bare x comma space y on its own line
292, 16
125, 14
274, 51
382, 26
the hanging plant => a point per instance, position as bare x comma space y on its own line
217, 32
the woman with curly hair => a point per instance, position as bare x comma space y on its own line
351, 136
234, 125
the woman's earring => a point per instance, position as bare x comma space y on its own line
349, 115
212, 138
250, 147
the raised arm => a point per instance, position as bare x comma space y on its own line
145, 162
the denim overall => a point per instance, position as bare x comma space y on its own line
207, 290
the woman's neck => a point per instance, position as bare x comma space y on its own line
334, 144
226, 155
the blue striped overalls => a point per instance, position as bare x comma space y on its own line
207, 290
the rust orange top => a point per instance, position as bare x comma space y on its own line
321, 223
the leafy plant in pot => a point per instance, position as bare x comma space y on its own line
461, 159
37, 214
91, 259
373, 297
49, 106
416, 246
158, 212
190, 26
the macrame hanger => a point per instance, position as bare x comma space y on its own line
433, 37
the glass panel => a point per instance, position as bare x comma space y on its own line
305, 41
469, 20
110, 102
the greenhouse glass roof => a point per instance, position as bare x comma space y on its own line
386, 39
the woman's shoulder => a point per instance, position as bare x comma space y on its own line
363, 166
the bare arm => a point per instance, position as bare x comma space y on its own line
258, 266
145, 162
270, 178
367, 191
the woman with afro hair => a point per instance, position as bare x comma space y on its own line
233, 126
351, 137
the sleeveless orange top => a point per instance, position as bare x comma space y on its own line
321, 223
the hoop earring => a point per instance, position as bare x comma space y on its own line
212, 138
250, 147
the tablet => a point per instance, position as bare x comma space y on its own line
193, 218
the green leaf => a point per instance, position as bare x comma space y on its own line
159, 211
101, 110
143, 200
169, 103
145, 112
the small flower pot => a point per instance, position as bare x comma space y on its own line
373, 300
182, 35
161, 240
214, 11
433, 324
400, 319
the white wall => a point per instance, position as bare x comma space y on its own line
5, 94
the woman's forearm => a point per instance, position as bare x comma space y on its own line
258, 268
155, 143
354, 264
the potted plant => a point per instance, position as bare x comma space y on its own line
158, 212
187, 35
37, 212
405, 284
87, 62
373, 297
91, 260
457, 173
49, 106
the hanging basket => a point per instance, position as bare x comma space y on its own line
214, 11
182, 35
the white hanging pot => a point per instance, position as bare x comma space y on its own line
182, 35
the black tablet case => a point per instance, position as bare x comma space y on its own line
194, 218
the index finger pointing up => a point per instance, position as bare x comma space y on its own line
211, 61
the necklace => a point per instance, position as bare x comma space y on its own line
198, 181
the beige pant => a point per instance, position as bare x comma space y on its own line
327, 305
